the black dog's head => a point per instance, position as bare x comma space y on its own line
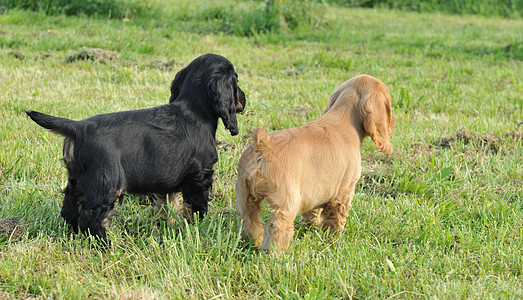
214, 74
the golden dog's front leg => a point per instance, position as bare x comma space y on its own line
159, 205
178, 207
313, 217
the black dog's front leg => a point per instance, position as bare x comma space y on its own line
196, 191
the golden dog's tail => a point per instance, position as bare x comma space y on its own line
262, 143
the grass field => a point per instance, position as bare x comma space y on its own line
442, 217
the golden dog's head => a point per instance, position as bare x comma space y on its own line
368, 103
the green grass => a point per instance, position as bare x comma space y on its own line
94, 8
506, 8
440, 217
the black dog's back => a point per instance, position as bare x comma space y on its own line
147, 145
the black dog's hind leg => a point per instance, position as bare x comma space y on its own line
70, 205
82, 213
196, 191
96, 203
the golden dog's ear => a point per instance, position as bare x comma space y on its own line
376, 111
334, 97
330, 103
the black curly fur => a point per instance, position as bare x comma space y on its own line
165, 149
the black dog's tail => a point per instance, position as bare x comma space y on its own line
58, 125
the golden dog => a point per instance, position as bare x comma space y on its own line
312, 169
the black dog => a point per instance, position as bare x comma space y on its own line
165, 149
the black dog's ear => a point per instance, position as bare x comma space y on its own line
240, 106
223, 91
177, 84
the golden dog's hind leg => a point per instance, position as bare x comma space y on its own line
248, 208
335, 213
280, 229
252, 224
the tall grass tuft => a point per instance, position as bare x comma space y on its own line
504, 8
100, 8
260, 18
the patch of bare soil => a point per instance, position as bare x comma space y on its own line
45, 33
167, 65
11, 229
294, 72
461, 135
376, 183
16, 54
302, 110
43, 56
488, 141
516, 135
136, 293
376, 175
422, 148
92, 54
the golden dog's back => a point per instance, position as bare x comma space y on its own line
311, 162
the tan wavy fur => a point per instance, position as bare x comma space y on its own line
312, 169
